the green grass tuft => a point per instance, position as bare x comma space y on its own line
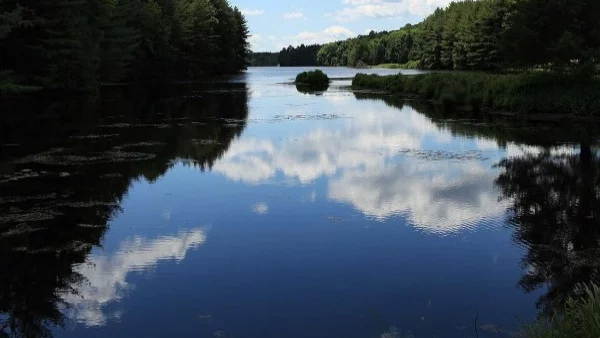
579, 319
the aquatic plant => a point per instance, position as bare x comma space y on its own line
580, 318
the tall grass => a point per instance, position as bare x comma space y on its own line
523, 92
408, 65
579, 319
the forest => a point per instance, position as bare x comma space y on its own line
303, 55
486, 35
77, 45
263, 59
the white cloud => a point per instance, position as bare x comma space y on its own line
255, 41
329, 34
106, 275
293, 15
387, 8
252, 12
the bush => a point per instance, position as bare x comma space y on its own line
579, 319
312, 78
522, 92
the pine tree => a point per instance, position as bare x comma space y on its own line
242, 46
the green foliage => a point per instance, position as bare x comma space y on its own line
264, 59
372, 49
313, 77
299, 56
77, 44
523, 92
408, 65
553, 33
485, 35
580, 318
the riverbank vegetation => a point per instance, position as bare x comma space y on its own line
408, 65
539, 56
528, 92
76, 45
580, 318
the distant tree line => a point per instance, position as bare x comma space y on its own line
78, 44
372, 49
299, 56
264, 59
475, 35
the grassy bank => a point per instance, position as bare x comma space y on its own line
408, 65
522, 92
579, 319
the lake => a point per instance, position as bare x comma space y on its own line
248, 208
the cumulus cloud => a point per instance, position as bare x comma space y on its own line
252, 12
106, 275
293, 15
357, 9
329, 34
255, 41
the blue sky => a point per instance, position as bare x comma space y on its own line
278, 23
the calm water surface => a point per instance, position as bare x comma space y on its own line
250, 209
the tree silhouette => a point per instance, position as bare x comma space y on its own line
555, 213
49, 224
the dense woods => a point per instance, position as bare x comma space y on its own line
288, 57
74, 44
299, 56
264, 59
478, 35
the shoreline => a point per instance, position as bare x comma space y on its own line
542, 96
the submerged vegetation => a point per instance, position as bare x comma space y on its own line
521, 92
77, 45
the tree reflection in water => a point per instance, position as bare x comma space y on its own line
554, 193
555, 204
73, 165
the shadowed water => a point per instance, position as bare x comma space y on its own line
251, 208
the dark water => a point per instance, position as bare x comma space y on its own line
250, 209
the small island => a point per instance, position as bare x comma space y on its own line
313, 81
312, 78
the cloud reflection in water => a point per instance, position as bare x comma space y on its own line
106, 275
366, 167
